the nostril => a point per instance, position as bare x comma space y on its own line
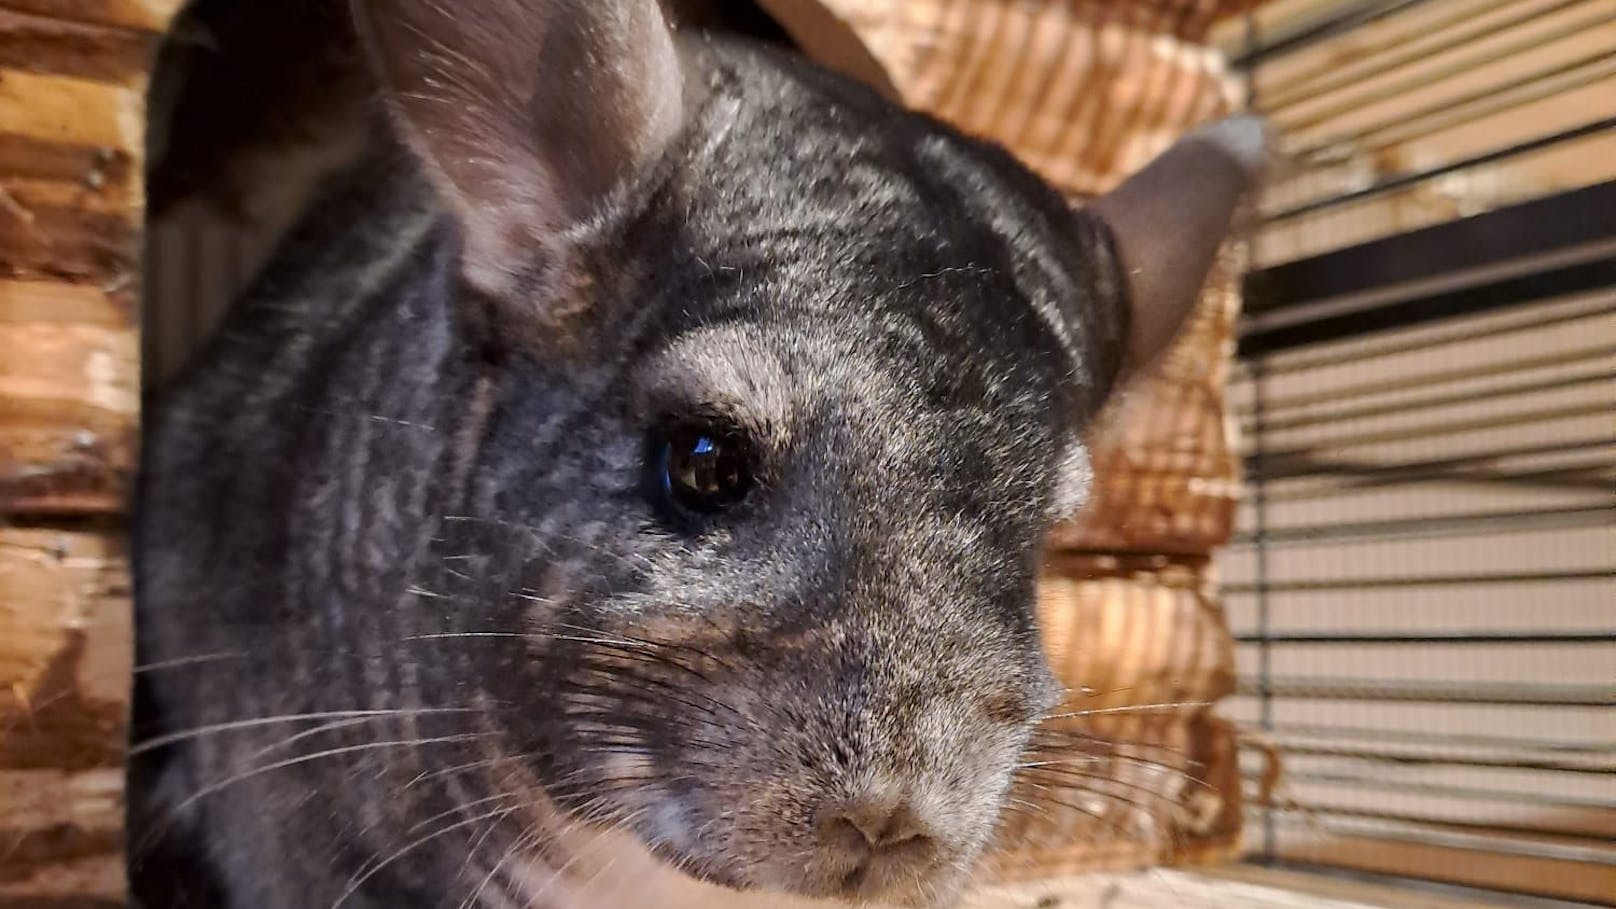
878, 828
902, 826
868, 823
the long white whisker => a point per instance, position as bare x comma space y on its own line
186, 734
289, 762
1130, 708
281, 744
359, 881
188, 661
531, 834
503, 796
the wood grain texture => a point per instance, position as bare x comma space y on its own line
45, 44
70, 213
64, 660
149, 16
72, 84
68, 414
1143, 773
1218, 889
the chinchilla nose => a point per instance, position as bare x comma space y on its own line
876, 825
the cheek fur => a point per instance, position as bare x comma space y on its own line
1074, 480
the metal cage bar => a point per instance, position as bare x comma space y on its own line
1421, 579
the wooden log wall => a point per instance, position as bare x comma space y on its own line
72, 83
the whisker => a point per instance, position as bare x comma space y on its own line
503, 796
177, 662
427, 775
1166, 707
332, 726
530, 835
200, 731
1178, 809
355, 883
1113, 826
213, 788
1063, 740
557, 873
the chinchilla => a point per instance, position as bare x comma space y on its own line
625, 486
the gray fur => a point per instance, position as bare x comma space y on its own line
380, 490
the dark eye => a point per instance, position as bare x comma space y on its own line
703, 467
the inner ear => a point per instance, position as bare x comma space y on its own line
1168, 221
526, 114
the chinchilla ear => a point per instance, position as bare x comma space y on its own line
526, 114
1168, 220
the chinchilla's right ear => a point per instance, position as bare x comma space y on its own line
1168, 221
526, 114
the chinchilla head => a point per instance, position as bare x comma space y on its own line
731, 543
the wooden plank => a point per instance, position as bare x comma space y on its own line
115, 200
1083, 93
1134, 631
69, 206
828, 36
1241, 888
62, 109
27, 158
64, 663
1579, 881
55, 302
71, 139
49, 45
68, 410
64, 835
64, 670
66, 242
1325, 887
140, 15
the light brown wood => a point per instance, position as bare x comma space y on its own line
64, 659
150, 16
1237, 888
55, 302
67, 417
827, 35
1144, 774
72, 83
71, 111
50, 45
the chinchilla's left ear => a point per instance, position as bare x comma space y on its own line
526, 114
1168, 221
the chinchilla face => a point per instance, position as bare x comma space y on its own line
710, 428
771, 528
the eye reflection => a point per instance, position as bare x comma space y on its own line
704, 467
